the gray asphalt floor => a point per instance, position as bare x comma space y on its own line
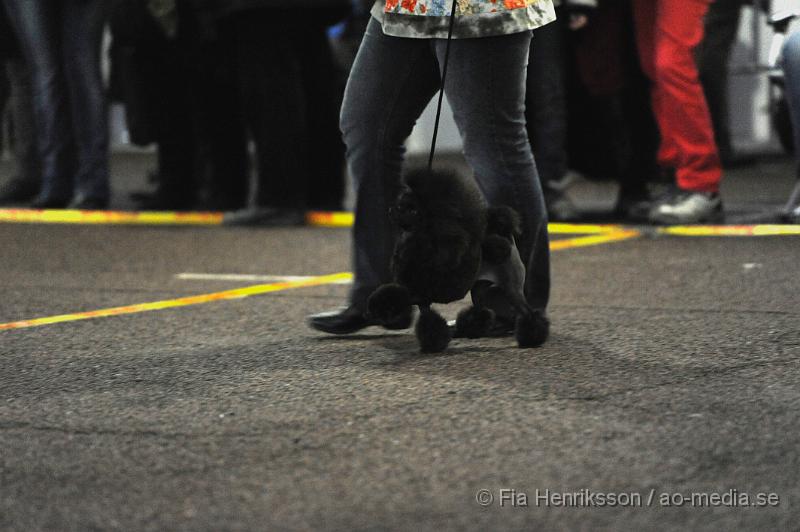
667, 398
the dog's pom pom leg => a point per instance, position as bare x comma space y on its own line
432, 331
474, 322
391, 305
532, 329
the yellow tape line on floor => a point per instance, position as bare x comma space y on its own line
594, 240
315, 218
731, 230
57, 216
180, 302
558, 228
345, 219
330, 219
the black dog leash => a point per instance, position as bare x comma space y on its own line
441, 90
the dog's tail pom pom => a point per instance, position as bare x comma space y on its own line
390, 303
496, 249
503, 221
432, 332
474, 322
532, 329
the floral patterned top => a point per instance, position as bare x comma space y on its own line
426, 19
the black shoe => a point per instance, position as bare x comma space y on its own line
88, 204
49, 203
18, 190
348, 320
265, 217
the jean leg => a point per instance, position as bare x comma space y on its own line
546, 102
25, 152
391, 82
486, 88
791, 69
36, 24
82, 23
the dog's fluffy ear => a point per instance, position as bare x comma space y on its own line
495, 249
503, 221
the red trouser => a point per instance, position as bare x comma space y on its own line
667, 31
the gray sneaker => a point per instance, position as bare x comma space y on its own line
687, 207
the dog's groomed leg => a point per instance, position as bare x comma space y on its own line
390, 304
474, 322
532, 328
432, 331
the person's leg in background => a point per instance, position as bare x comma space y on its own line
8, 47
220, 133
38, 27
391, 82
152, 73
83, 22
546, 114
713, 56
486, 87
644, 15
178, 184
667, 33
609, 92
791, 70
274, 104
5, 95
326, 180
25, 185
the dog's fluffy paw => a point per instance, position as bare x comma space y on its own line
391, 305
474, 322
432, 332
532, 331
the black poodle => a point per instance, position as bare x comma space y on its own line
449, 243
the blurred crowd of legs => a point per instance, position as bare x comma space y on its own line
241, 100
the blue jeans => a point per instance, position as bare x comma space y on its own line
391, 82
61, 41
791, 68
